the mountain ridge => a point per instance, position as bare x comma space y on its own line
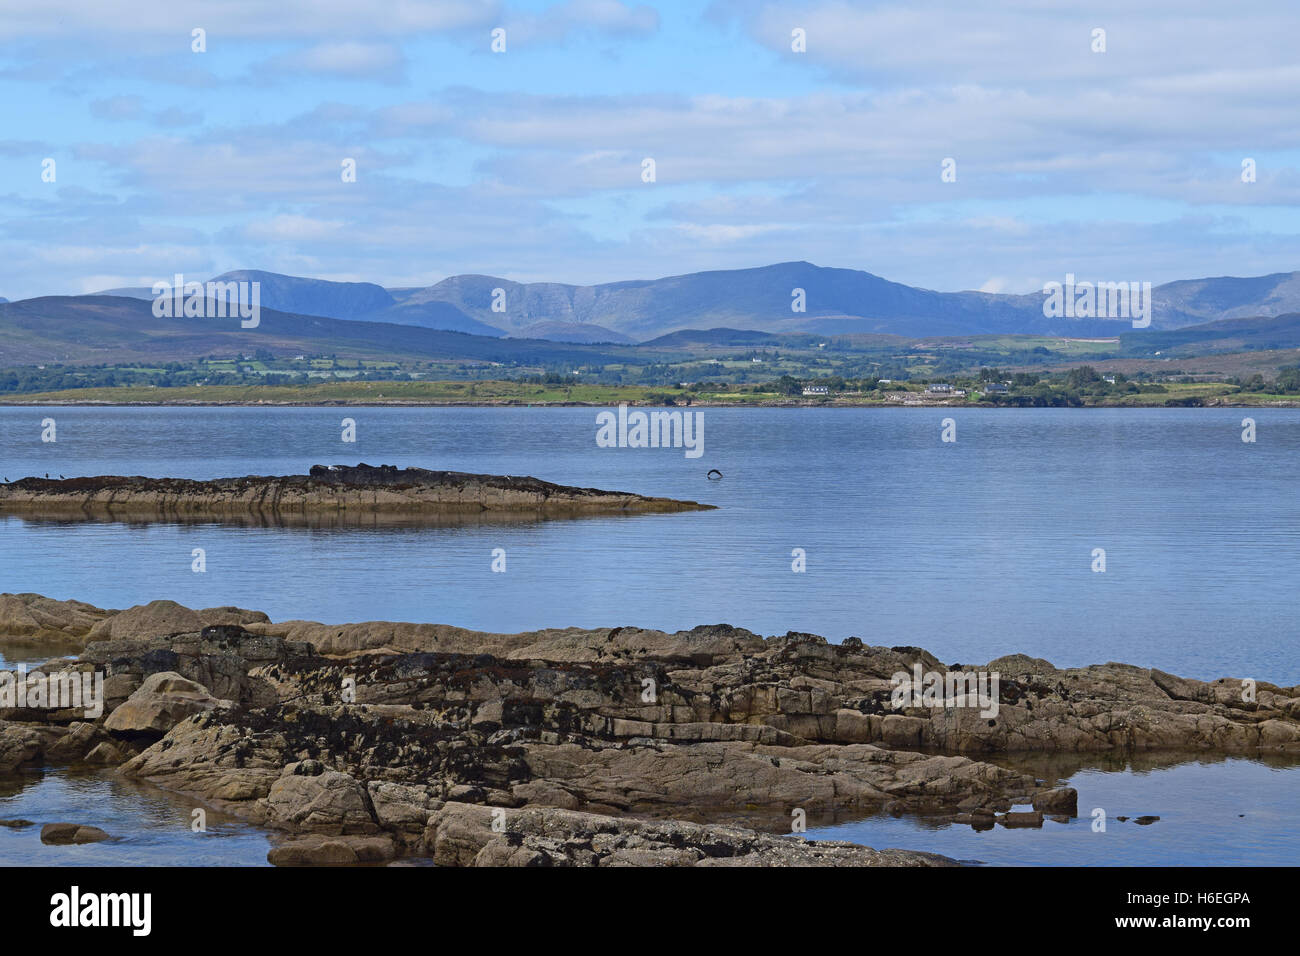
836, 301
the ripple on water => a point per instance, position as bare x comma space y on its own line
150, 827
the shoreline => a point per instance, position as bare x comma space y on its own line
406, 403
371, 741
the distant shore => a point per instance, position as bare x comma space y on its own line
515, 403
509, 393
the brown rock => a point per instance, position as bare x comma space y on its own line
160, 703
1013, 820
66, 833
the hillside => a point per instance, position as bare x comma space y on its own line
111, 329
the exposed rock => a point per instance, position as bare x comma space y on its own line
36, 618
76, 743
66, 833
332, 850
1061, 800
20, 745
16, 824
383, 729
362, 489
466, 835
1145, 821
327, 800
162, 701
105, 753
1030, 818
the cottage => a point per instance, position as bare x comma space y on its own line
995, 388
816, 390
938, 388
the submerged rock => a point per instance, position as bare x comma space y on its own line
67, 833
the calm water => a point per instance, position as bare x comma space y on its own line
972, 549
147, 825
1212, 813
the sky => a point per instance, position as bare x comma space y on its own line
528, 164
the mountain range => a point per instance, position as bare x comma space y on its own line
545, 320
837, 301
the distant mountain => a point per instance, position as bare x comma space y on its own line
363, 301
106, 329
1258, 333
727, 338
337, 300
434, 315
570, 332
1194, 301
836, 302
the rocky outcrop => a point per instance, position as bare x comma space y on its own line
31, 744
334, 489
466, 835
34, 618
160, 703
603, 746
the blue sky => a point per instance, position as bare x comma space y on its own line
1122, 165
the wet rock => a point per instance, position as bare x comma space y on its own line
75, 743
467, 835
16, 824
20, 745
105, 753
35, 618
1020, 819
560, 720
67, 833
978, 819
1145, 821
332, 850
1059, 800
360, 489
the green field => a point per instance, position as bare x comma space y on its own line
522, 393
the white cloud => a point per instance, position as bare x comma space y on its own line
349, 59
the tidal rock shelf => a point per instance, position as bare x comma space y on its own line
367, 742
362, 493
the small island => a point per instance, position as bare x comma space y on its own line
327, 490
